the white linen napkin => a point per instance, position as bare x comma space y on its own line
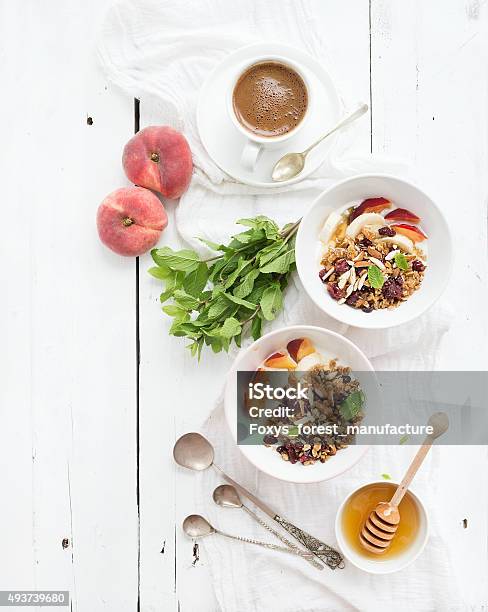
161, 52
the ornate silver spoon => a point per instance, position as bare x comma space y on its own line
196, 526
195, 452
228, 497
292, 164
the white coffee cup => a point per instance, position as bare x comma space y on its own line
255, 144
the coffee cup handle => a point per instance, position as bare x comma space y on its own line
250, 154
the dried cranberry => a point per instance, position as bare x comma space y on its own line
322, 273
270, 440
292, 455
298, 446
418, 266
367, 309
353, 298
393, 288
386, 231
341, 266
365, 242
334, 291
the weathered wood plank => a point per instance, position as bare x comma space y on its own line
429, 100
68, 317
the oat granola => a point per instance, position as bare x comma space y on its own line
372, 263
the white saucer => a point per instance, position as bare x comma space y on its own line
224, 143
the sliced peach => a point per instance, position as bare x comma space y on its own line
410, 231
300, 348
402, 214
370, 205
279, 360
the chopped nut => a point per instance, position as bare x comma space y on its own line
343, 279
391, 255
378, 263
327, 274
362, 280
372, 251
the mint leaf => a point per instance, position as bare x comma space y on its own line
184, 260
271, 302
214, 246
256, 326
401, 261
375, 277
351, 406
172, 282
196, 281
270, 252
160, 272
261, 222
231, 279
246, 287
230, 328
239, 301
281, 264
179, 314
185, 300
218, 307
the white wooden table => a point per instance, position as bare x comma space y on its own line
93, 391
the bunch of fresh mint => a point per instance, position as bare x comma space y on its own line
214, 301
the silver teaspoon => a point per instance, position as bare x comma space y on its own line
228, 497
195, 452
292, 164
195, 526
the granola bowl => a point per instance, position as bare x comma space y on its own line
296, 350
374, 251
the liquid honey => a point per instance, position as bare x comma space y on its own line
363, 502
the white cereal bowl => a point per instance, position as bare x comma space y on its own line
330, 345
403, 194
393, 564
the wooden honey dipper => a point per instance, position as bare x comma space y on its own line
380, 527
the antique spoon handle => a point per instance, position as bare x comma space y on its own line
305, 555
331, 557
322, 551
290, 551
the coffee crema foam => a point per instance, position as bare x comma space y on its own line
270, 99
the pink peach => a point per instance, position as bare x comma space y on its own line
130, 221
159, 158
